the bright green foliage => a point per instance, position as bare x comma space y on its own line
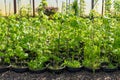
73, 64
82, 7
117, 8
108, 4
42, 6
75, 7
63, 40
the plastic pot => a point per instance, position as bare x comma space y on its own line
4, 68
19, 69
72, 69
38, 71
57, 70
92, 70
105, 67
118, 67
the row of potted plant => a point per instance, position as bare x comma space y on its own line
66, 40
36, 66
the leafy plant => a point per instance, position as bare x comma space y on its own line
75, 7
41, 8
73, 64
117, 8
116, 56
38, 63
92, 57
82, 7
108, 4
66, 38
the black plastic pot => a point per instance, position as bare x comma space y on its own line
4, 68
105, 68
19, 69
109, 70
91, 70
38, 71
119, 67
71, 69
56, 71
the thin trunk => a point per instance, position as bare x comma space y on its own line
69, 4
92, 4
66, 5
5, 7
57, 2
15, 8
103, 7
33, 8
30, 2
9, 7
92, 7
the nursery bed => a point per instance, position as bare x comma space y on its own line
82, 75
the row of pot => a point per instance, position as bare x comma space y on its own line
57, 71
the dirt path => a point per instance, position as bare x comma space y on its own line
83, 75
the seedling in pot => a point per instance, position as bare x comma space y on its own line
1, 56
4, 66
92, 59
56, 65
108, 67
73, 66
38, 65
4, 62
116, 56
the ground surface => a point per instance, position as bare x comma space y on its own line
82, 75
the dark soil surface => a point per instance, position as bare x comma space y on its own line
82, 75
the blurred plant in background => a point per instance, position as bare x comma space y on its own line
41, 8
82, 7
108, 4
117, 8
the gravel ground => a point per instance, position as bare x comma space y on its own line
82, 75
